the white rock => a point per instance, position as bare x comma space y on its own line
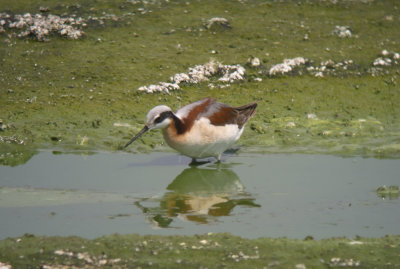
254, 61
218, 20
382, 62
300, 266
311, 116
385, 53
198, 74
287, 66
342, 31
5, 266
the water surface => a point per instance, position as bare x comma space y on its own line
250, 195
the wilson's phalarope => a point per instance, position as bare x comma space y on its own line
201, 129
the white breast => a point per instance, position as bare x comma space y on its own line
204, 139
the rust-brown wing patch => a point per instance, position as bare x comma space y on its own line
224, 115
230, 115
219, 114
185, 124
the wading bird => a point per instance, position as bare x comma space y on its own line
201, 129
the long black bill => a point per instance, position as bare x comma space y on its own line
145, 129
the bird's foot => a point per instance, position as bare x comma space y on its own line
195, 162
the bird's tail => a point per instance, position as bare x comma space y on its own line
246, 112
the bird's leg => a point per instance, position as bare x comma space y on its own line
193, 162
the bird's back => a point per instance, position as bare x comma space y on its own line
219, 114
207, 128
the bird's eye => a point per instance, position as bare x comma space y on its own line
162, 116
158, 120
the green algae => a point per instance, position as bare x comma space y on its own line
26, 197
82, 95
391, 192
221, 250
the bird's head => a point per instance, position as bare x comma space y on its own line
158, 118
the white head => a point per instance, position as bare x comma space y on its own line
158, 118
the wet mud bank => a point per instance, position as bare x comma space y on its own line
221, 250
325, 74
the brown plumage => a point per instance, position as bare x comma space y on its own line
219, 114
233, 115
201, 129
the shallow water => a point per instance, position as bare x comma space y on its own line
249, 195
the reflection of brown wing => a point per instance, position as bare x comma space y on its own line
202, 204
176, 204
196, 218
223, 209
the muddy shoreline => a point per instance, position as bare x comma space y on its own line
85, 94
77, 90
221, 250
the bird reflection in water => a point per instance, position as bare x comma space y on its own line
200, 195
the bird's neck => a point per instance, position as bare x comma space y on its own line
179, 125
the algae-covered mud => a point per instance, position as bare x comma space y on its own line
206, 251
81, 91
301, 196
80, 77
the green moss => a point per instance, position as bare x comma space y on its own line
78, 95
14, 155
221, 250
391, 192
54, 94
